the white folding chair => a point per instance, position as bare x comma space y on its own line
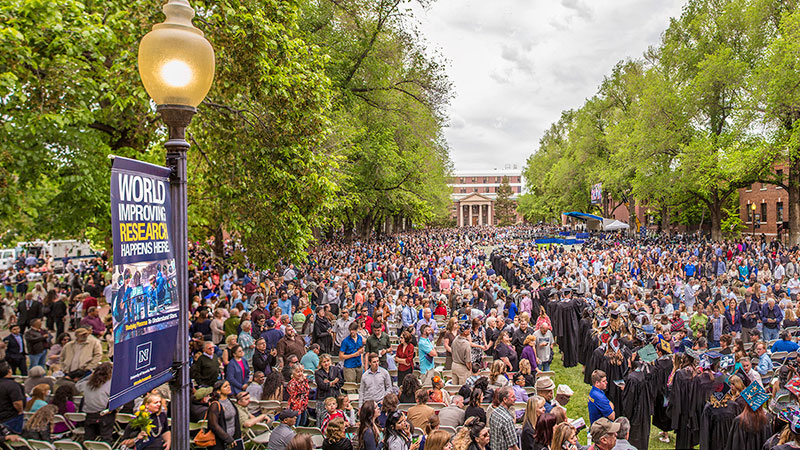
258, 434
65, 444
40, 445
73, 419
20, 444
96, 445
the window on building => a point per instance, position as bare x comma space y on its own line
461, 180
749, 212
473, 179
779, 176
763, 217
497, 179
463, 191
484, 180
779, 211
474, 189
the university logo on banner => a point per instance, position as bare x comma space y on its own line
144, 300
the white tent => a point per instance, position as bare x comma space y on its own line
614, 225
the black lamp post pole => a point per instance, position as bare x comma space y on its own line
177, 118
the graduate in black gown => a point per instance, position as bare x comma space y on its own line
658, 376
718, 415
751, 428
682, 402
789, 438
637, 404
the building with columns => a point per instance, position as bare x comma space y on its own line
474, 195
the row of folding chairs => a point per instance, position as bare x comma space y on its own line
62, 444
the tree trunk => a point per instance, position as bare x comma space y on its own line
716, 218
794, 202
219, 242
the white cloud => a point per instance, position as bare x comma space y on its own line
516, 64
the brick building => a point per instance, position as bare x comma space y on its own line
474, 195
762, 207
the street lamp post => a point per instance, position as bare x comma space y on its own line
753, 218
176, 64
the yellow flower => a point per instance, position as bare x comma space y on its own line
141, 408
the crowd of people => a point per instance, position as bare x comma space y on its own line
437, 339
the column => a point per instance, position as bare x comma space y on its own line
480, 214
491, 218
470, 214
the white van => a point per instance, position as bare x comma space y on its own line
8, 256
57, 250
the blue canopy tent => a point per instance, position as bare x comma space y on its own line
583, 216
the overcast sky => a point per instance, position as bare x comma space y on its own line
516, 64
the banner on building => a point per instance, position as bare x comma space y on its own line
144, 302
597, 193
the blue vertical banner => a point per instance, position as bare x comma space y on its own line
144, 296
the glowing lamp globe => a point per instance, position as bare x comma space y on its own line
176, 63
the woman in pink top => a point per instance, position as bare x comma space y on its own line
62, 400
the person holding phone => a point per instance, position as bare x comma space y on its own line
397, 435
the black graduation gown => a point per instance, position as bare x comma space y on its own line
716, 424
637, 406
591, 364
741, 439
565, 330
662, 367
681, 401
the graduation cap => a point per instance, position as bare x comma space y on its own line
727, 361
664, 344
721, 388
692, 353
605, 336
708, 359
791, 415
615, 343
603, 323
755, 395
614, 314
793, 386
740, 373
647, 353
210, 295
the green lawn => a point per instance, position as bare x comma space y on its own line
578, 404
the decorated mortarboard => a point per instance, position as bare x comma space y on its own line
664, 345
708, 359
692, 353
614, 343
745, 378
755, 395
793, 386
720, 390
210, 295
791, 415
603, 323
647, 353
614, 314
727, 361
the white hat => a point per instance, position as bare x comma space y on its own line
563, 389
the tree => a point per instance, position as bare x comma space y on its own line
504, 206
70, 95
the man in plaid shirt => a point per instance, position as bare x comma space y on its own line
502, 434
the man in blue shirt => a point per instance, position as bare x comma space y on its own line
285, 304
785, 344
426, 354
408, 316
599, 405
350, 352
271, 335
